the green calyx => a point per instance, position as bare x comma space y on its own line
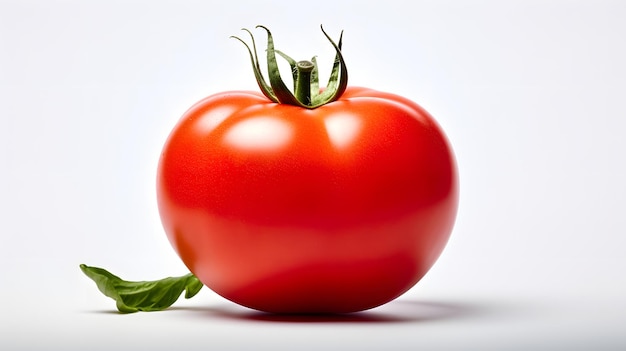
306, 91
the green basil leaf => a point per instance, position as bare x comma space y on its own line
143, 295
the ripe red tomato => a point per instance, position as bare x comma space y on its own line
285, 209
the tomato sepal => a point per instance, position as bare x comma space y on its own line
305, 74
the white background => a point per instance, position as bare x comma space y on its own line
530, 93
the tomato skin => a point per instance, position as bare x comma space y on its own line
289, 210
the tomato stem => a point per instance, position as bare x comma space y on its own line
305, 76
303, 82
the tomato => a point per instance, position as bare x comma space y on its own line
286, 209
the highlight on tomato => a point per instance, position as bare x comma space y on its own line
310, 200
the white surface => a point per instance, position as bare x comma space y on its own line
531, 94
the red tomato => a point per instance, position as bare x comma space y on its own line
284, 209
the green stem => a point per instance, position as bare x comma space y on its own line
303, 82
306, 77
